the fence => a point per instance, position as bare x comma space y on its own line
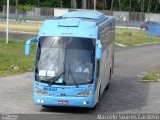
127, 19
132, 16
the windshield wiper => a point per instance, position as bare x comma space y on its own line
53, 79
74, 80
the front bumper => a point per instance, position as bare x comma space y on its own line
72, 101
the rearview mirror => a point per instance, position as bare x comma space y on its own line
99, 50
28, 44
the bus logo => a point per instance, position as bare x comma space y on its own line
50, 88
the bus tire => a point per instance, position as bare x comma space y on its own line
94, 108
99, 93
112, 69
110, 74
107, 87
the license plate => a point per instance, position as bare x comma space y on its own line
64, 102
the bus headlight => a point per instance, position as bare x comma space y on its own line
84, 94
42, 92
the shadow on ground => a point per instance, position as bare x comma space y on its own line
125, 94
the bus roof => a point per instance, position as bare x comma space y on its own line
84, 14
76, 23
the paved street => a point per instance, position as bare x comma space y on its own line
17, 35
127, 93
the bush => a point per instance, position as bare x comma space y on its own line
25, 7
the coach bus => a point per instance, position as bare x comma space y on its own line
74, 59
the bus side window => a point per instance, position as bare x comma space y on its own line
98, 68
97, 72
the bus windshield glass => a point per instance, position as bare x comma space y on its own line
70, 58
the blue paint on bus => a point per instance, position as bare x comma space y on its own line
74, 59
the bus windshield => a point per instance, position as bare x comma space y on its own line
72, 56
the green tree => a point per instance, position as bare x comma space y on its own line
124, 5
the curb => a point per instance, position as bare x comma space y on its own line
150, 80
134, 28
34, 33
120, 45
144, 44
136, 45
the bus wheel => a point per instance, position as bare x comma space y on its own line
94, 108
107, 87
110, 75
99, 93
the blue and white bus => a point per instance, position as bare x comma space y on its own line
74, 59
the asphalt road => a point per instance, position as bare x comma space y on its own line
127, 93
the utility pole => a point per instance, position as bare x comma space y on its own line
112, 4
7, 21
119, 5
74, 4
105, 5
16, 3
142, 9
61, 3
130, 4
84, 4
38, 3
95, 4
16, 6
156, 3
143, 6
149, 5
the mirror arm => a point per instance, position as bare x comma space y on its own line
32, 40
28, 43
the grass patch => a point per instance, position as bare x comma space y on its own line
152, 76
21, 26
131, 37
12, 58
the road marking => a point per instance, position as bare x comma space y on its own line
134, 28
21, 32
